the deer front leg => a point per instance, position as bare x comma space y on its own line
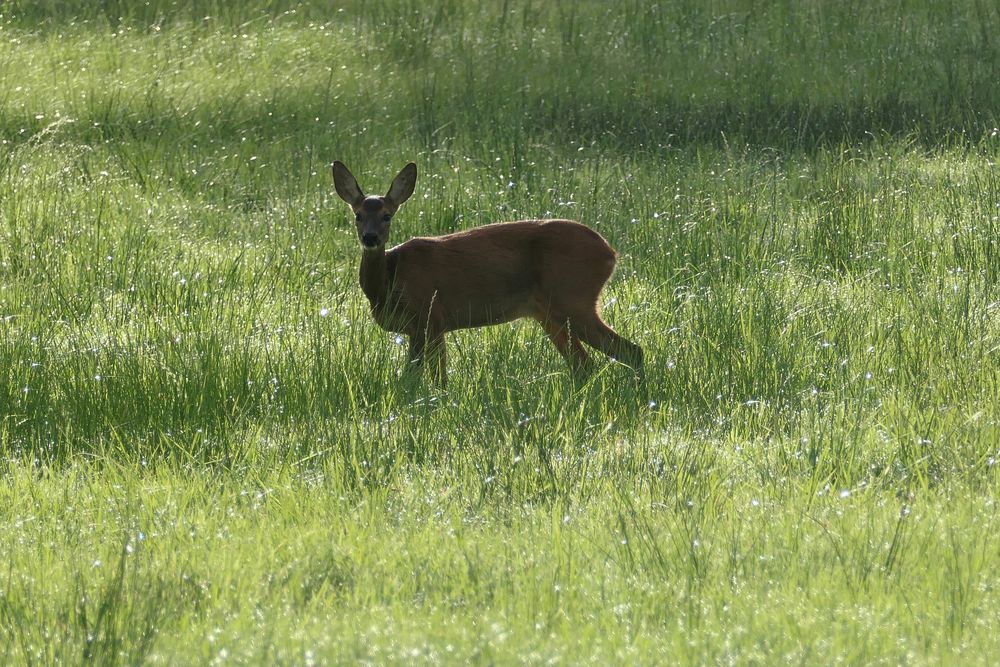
415, 358
439, 359
422, 351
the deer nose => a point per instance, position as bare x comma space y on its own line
369, 239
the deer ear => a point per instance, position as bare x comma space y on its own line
347, 185
402, 186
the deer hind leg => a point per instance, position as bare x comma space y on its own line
566, 341
595, 332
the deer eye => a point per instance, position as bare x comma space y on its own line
386, 218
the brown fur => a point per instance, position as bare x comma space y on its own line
550, 270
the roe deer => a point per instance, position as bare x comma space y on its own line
550, 270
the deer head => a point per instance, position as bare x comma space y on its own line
373, 215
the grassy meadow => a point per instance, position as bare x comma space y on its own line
208, 455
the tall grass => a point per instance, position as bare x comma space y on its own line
209, 454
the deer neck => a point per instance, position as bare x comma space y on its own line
375, 277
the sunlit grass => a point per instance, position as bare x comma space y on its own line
208, 450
